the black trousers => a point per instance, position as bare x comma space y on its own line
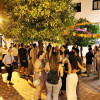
9, 71
15, 63
1, 64
0, 69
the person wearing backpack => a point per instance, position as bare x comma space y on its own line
55, 72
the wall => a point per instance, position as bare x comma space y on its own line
87, 12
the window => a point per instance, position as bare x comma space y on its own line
78, 7
96, 4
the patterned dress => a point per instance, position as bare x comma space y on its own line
41, 75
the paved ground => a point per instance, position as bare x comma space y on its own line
21, 90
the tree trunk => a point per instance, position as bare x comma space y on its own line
40, 45
81, 49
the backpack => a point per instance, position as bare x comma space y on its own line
52, 77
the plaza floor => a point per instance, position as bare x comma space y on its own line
21, 90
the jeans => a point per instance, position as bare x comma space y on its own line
1, 64
71, 83
53, 89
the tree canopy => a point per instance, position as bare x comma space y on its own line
82, 41
29, 20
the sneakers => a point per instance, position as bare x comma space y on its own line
22, 76
10, 83
28, 76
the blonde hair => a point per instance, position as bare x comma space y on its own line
9, 49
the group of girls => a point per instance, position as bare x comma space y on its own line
57, 70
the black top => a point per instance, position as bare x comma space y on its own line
67, 51
80, 61
29, 51
89, 57
22, 53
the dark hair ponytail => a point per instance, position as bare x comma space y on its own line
40, 53
73, 60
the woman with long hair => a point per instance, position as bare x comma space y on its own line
72, 78
39, 75
48, 52
55, 72
63, 55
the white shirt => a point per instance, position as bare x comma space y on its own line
8, 59
14, 51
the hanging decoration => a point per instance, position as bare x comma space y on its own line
85, 35
98, 35
82, 35
79, 35
74, 34
65, 33
79, 24
88, 35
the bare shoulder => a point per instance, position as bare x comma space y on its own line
37, 63
60, 66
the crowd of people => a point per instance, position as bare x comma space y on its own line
57, 68
93, 60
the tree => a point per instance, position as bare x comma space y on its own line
82, 41
39, 20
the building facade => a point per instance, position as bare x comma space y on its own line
89, 9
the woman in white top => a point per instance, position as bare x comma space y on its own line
72, 78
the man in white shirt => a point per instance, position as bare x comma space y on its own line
15, 54
97, 56
8, 61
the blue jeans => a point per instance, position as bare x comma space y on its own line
53, 89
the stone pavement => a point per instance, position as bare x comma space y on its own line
21, 90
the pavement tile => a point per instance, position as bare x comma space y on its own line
21, 90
